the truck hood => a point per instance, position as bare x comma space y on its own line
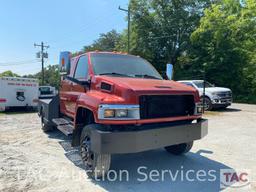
149, 86
215, 89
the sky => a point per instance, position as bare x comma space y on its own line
63, 25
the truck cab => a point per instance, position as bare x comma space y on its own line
116, 103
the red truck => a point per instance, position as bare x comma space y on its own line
116, 103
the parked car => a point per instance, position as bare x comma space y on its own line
215, 97
47, 92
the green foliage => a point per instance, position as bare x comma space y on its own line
161, 29
8, 74
197, 36
51, 76
224, 45
106, 42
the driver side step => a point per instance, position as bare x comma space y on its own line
66, 129
64, 126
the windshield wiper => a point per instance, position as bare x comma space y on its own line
147, 76
118, 74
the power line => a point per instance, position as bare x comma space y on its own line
20, 64
129, 20
161, 37
43, 55
16, 62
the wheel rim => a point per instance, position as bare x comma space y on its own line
86, 153
42, 121
206, 104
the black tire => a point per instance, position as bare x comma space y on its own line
180, 148
223, 108
45, 126
208, 104
97, 165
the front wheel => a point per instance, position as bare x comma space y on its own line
208, 104
97, 165
180, 148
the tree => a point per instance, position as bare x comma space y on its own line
51, 76
224, 44
197, 36
8, 74
106, 42
161, 29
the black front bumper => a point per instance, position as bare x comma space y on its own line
119, 142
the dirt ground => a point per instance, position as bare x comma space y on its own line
31, 160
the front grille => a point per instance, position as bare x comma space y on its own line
161, 106
225, 94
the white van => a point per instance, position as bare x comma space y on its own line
18, 92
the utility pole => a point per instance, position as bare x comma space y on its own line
129, 20
204, 93
42, 55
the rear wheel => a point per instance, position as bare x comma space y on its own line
97, 165
45, 126
180, 148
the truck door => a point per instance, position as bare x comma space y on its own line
72, 89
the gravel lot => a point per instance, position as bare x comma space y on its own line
31, 160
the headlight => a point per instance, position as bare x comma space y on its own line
109, 113
198, 109
119, 112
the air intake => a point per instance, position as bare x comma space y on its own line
105, 87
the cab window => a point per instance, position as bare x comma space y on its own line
82, 68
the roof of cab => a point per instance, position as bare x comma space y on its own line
191, 81
101, 52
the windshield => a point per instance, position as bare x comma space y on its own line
123, 65
200, 84
45, 91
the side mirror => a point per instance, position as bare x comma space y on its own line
64, 64
169, 71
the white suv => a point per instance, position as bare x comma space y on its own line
215, 97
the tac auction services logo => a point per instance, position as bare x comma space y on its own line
234, 178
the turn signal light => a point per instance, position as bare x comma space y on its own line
109, 113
